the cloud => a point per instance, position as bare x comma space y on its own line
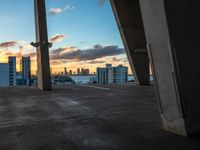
58, 62
60, 51
55, 11
57, 38
12, 44
115, 59
9, 44
93, 53
90, 56
32, 55
17, 54
101, 2
96, 62
69, 7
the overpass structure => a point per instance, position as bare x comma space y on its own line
163, 33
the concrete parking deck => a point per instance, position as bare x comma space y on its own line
122, 117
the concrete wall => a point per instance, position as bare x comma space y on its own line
172, 32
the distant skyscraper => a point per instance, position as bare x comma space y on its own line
12, 70
65, 71
70, 72
26, 70
84, 72
78, 71
87, 72
51, 71
111, 74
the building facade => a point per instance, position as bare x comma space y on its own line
111, 74
120, 74
8, 73
12, 70
4, 75
26, 71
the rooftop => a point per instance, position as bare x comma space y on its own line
121, 117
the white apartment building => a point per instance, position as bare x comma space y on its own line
111, 74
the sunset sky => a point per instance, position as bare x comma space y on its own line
84, 33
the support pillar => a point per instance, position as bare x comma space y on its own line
172, 30
43, 65
129, 20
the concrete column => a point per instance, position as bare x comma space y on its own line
129, 20
172, 30
43, 66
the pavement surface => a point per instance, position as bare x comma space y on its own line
121, 117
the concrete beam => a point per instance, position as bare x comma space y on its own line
129, 20
172, 30
43, 65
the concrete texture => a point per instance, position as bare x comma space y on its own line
129, 20
120, 117
43, 65
172, 33
158, 40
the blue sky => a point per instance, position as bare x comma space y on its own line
73, 26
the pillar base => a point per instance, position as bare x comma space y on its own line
175, 125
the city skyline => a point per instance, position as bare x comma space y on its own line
84, 35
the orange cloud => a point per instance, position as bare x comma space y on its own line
57, 38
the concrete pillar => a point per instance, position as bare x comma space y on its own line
129, 20
43, 66
172, 30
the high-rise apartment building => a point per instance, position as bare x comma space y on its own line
4, 75
110, 71
70, 72
12, 70
111, 74
26, 70
102, 75
120, 74
65, 71
8, 73
78, 72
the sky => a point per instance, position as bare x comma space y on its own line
84, 33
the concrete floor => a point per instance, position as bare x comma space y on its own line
85, 118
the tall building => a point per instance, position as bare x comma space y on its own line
105, 75
4, 75
120, 74
65, 71
111, 74
85, 72
110, 71
26, 70
102, 76
78, 72
51, 71
8, 73
70, 72
12, 70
